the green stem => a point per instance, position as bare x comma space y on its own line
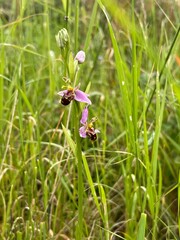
134, 74
76, 24
179, 203
2, 67
67, 13
80, 177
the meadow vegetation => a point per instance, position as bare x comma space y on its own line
55, 184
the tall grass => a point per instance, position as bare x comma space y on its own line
56, 185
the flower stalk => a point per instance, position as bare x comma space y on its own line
80, 175
71, 95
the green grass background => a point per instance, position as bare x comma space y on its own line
54, 185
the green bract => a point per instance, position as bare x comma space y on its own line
62, 38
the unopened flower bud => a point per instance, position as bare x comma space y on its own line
80, 56
62, 38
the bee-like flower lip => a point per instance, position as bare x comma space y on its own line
68, 96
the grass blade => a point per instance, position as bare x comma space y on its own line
141, 227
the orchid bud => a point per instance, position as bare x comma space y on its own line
62, 38
80, 56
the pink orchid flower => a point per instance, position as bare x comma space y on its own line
87, 129
73, 94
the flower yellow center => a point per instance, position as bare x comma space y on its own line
90, 125
71, 89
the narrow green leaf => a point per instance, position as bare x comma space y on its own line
141, 227
159, 118
91, 184
104, 202
71, 66
28, 104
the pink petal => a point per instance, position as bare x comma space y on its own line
61, 93
82, 132
84, 116
80, 56
81, 97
